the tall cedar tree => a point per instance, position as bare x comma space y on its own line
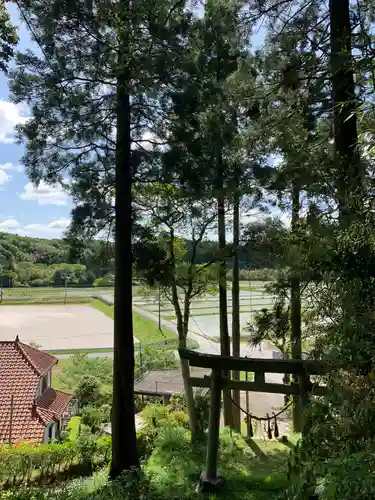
204, 134
297, 89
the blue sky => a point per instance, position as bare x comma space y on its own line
24, 209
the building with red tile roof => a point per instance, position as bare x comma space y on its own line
30, 409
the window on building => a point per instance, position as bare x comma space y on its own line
44, 383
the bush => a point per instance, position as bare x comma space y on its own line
86, 446
146, 441
349, 478
17, 463
73, 428
107, 280
90, 416
25, 463
94, 416
103, 449
179, 418
80, 365
157, 359
202, 406
155, 415
88, 390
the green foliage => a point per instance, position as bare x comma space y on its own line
80, 365
107, 280
18, 462
73, 428
8, 38
202, 405
86, 445
171, 469
43, 263
40, 262
88, 389
94, 416
36, 462
154, 358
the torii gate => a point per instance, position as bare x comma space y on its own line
216, 382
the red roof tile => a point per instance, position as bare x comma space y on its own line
42, 361
52, 404
21, 368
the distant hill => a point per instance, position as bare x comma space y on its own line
45, 262
38, 261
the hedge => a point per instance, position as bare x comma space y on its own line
26, 463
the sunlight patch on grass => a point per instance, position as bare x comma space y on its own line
144, 329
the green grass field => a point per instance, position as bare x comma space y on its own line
145, 330
94, 350
56, 370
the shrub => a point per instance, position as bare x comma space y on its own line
178, 401
18, 462
86, 446
155, 415
202, 406
179, 418
88, 390
73, 428
80, 365
31, 462
146, 441
157, 359
91, 417
103, 449
107, 280
94, 416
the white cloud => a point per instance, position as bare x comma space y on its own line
11, 166
9, 225
4, 178
45, 194
53, 229
10, 115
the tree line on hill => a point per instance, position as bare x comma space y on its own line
36, 262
